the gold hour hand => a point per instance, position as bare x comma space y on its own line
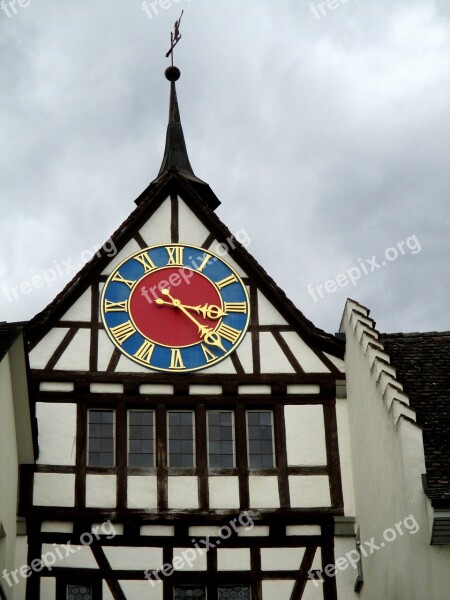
208, 311
206, 333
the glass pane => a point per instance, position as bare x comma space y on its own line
101, 438
140, 438
181, 439
260, 439
181, 592
231, 592
220, 439
79, 592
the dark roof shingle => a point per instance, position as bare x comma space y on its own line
423, 367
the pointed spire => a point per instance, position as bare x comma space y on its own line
175, 159
175, 154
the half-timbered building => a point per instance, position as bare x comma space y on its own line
245, 452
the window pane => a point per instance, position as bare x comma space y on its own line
184, 592
141, 438
232, 592
181, 438
101, 438
79, 592
220, 439
260, 439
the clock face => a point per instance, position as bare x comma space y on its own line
175, 308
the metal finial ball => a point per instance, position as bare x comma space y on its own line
172, 73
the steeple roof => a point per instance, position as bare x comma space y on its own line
175, 157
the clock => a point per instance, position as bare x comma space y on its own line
175, 308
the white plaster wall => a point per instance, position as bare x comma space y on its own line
156, 530
80, 310
277, 588
387, 462
183, 491
106, 388
191, 229
106, 592
54, 489
105, 350
130, 248
57, 527
309, 491
233, 559
345, 577
301, 388
76, 355
21, 558
281, 559
224, 367
157, 229
273, 359
303, 530
142, 492
309, 361
267, 313
257, 530
56, 386
245, 353
337, 362
101, 491
223, 492
134, 558
316, 593
264, 491
48, 588
205, 389
345, 457
184, 560
8, 469
254, 389
220, 251
137, 590
57, 431
155, 388
305, 435
204, 531
42, 352
81, 559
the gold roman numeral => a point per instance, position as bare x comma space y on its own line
123, 332
204, 263
228, 333
176, 362
235, 307
116, 306
146, 261
175, 255
145, 352
118, 277
209, 356
223, 282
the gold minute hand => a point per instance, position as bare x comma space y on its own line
209, 336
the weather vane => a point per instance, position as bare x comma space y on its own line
175, 37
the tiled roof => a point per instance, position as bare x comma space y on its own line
8, 334
423, 367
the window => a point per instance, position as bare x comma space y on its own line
101, 438
79, 592
181, 439
141, 450
260, 439
220, 439
189, 592
232, 592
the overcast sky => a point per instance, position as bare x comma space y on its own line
323, 127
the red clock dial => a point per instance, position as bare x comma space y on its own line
154, 315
